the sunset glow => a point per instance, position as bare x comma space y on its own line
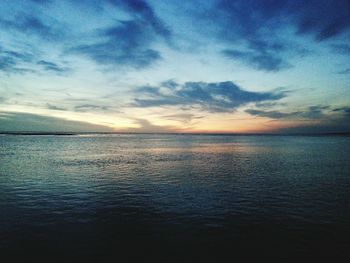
135, 66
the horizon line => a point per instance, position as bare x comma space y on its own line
175, 133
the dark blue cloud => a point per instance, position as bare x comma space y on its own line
14, 55
142, 10
12, 61
323, 19
272, 114
7, 64
18, 62
212, 97
341, 48
171, 84
255, 26
259, 60
126, 43
29, 24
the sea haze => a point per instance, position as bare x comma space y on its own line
174, 196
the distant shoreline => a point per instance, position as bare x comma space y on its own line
154, 133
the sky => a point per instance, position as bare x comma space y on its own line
243, 66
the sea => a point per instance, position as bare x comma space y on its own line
174, 198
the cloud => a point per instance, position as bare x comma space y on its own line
54, 107
211, 97
272, 114
149, 90
251, 18
341, 48
125, 44
269, 104
343, 110
311, 19
90, 107
13, 62
25, 122
171, 84
312, 112
316, 119
53, 67
20, 62
316, 112
32, 25
345, 71
128, 42
263, 33
142, 10
258, 60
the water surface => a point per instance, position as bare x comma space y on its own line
174, 196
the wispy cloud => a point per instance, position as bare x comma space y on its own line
29, 24
272, 114
343, 110
260, 60
344, 72
20, 62
312, 112
54, 107
90, 107
13, 61
53, 67
212, 97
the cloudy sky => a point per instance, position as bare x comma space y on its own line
175, 66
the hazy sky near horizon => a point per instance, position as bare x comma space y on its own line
175, 66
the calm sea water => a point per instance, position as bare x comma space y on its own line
174, 196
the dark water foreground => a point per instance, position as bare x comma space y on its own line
174, 197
